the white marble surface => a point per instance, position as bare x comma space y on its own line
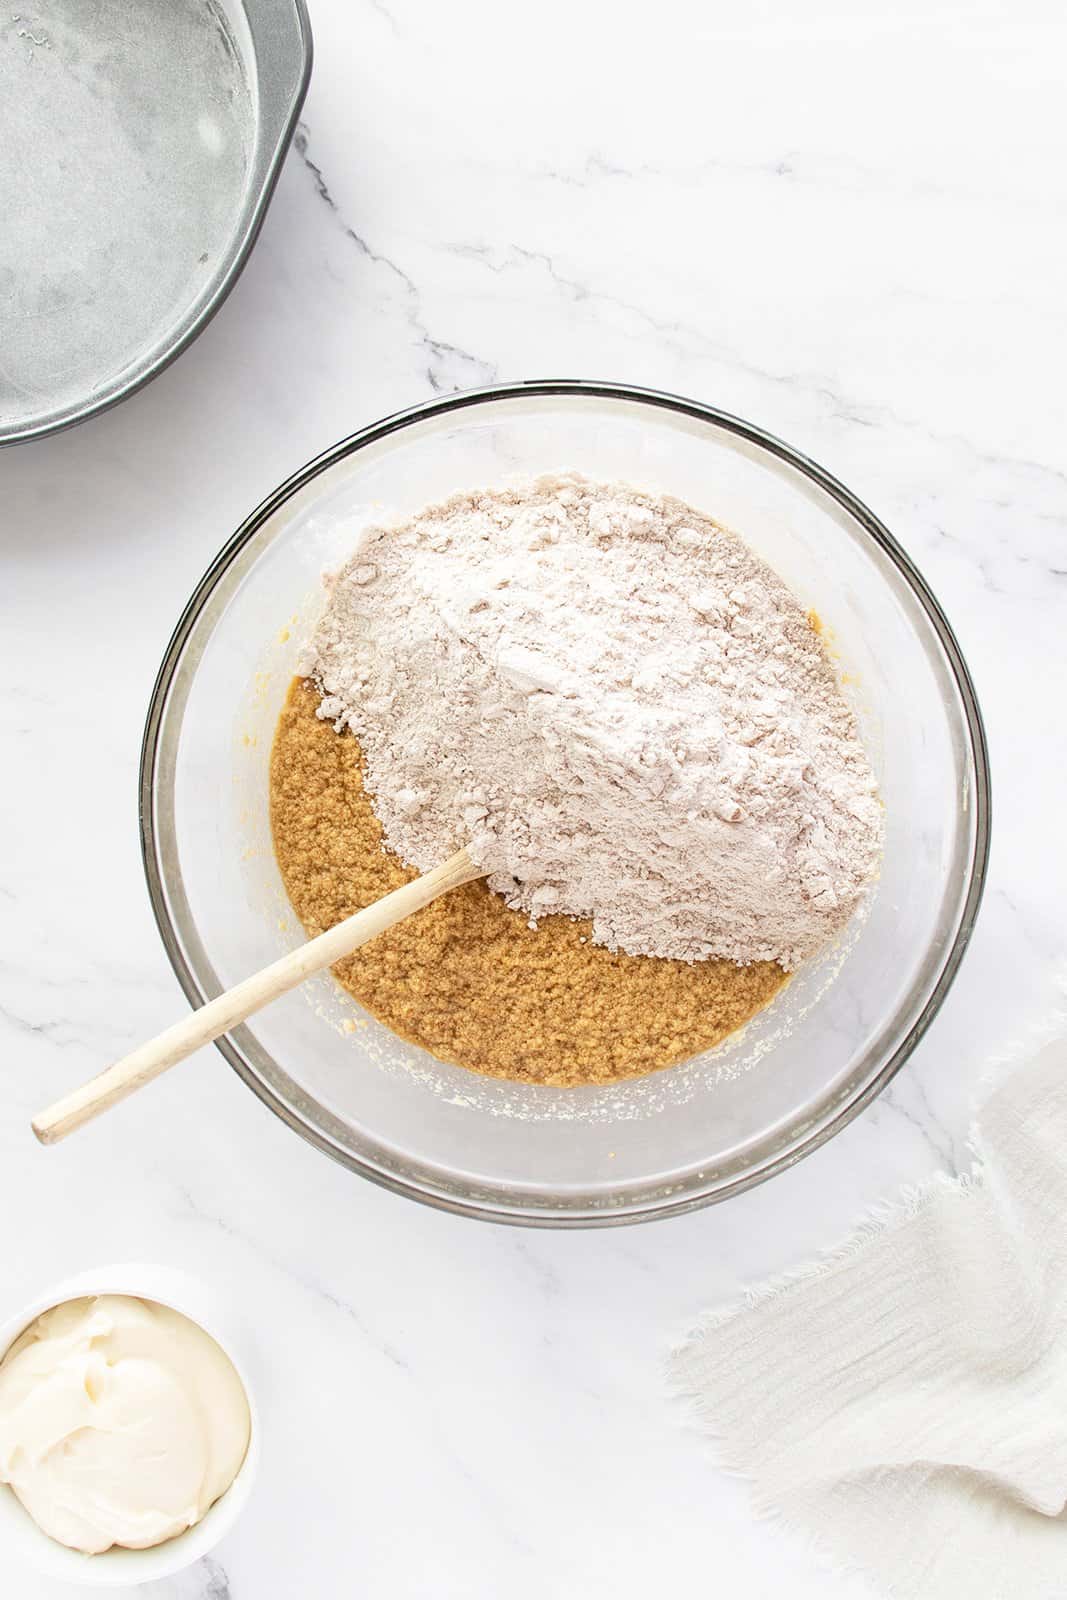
843, 221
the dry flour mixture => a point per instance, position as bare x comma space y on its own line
616, 706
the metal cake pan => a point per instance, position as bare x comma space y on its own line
142, 140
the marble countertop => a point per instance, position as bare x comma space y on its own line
840, 221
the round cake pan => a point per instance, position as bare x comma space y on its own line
143, 142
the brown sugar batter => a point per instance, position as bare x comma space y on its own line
467, 978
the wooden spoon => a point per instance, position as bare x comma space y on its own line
219, 1016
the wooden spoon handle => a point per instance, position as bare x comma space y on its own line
218, 1016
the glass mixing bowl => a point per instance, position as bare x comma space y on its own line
652, 1146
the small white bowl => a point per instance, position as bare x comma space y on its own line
20, 1535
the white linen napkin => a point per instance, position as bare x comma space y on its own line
904, 1402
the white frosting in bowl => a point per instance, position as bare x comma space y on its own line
121, 1422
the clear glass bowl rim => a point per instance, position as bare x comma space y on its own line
876, 531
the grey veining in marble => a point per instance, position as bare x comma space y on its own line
844, 222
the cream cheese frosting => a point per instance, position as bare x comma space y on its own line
121, 1422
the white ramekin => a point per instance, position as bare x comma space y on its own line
19, 1534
